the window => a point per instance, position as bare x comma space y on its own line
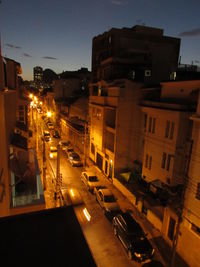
150, 123
146, 160
198, 191
98, 113
172, 130
132, 74
168, 162
154, 125
163, 160
171, 228
195, 228
92, 148
150, 162
167, 129
145, 122
147, 73
21, 113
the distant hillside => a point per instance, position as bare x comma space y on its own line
49, 75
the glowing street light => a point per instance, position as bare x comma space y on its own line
49, 114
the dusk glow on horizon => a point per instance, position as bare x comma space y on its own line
58, 34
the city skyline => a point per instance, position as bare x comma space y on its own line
58, 35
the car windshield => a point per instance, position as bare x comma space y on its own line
93, 179
53, 150
75, 156
109, 199
142, 245
65, 143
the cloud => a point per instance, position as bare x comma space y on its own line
193, 32
50, 58
12, 46
26, 55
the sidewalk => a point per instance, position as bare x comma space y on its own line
163, 249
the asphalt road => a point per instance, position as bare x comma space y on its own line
107, 250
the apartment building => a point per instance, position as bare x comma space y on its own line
190, 227
139, 53
115, 124
167, 131
152, 129
124, 61
20, 181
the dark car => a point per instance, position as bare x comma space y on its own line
56, 134
132, 237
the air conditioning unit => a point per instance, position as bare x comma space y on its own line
147, 73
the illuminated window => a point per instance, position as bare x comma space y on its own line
98, 114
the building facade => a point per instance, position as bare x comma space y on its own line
139, 53
20, 181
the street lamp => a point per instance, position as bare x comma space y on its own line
49, 114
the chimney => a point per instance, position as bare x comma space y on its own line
2, 82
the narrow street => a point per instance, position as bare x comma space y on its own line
105, 247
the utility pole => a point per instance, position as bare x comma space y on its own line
44, 165
85, 142
181, 207
58, 176
36, 130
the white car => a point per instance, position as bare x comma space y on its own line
53, 152
107, 200
74, 159
90, 180
50, 126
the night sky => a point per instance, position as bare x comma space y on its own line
58, 34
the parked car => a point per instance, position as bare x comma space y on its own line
47, 136
53, 152
90, 180
50, 126
132, 237
107, 200
64, 144
56, 134
69, 149
74, 159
